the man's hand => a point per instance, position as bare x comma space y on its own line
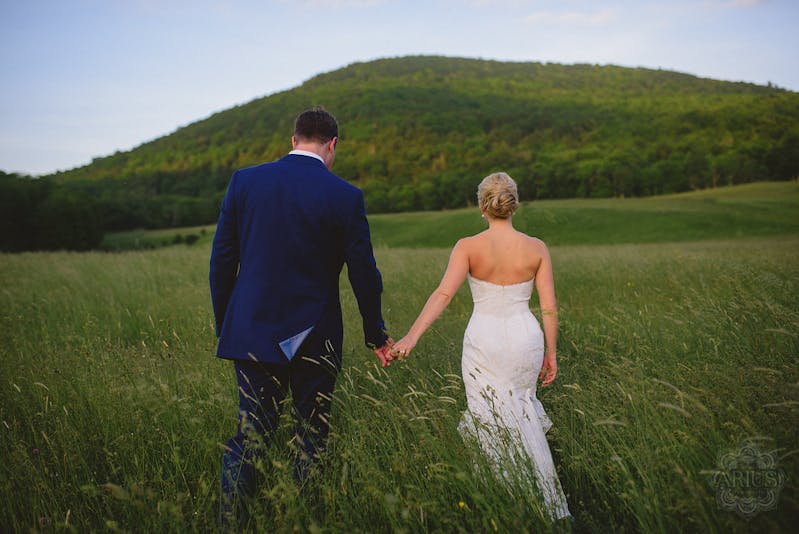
384, 353
549, 369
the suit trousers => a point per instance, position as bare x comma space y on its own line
263, 388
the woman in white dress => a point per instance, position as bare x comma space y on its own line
504, 349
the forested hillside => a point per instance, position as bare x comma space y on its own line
420, 132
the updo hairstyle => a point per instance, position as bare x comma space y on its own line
497, 195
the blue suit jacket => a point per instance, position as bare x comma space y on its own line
285, 230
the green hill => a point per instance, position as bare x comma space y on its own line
418, 132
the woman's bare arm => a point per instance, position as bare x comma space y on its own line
456, 272
545, 286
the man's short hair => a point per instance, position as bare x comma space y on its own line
316, 124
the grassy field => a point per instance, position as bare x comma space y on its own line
758, 209
672, 351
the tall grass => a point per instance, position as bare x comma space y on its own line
113, 409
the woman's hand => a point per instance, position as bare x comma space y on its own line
549, 369
402, 348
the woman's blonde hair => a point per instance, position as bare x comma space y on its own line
497, 195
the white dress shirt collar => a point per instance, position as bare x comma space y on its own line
307, 153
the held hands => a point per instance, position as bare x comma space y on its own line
391, 350
384, 353
403, 347
549, 369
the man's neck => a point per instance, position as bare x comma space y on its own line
325, 151
309, 147
309, 153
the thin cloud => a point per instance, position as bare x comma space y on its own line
573, 18
732, 4
337, 4
497, 3
675, 12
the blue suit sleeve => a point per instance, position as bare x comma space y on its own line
365, 278
224, 256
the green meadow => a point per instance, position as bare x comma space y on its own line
679, 341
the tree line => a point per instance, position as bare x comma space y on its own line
38, 214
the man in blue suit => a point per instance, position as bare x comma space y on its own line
285, 230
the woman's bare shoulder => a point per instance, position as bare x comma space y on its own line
463, 245
472, 240
535, 242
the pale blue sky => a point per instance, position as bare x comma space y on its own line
84, 78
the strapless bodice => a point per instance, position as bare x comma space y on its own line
498, 300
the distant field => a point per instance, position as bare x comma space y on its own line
769, 208
113, 409
148, 239
758, 209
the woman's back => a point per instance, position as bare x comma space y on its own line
503, 256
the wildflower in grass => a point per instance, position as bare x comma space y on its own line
35, 452
461, 504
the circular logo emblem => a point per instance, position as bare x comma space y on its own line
747, 480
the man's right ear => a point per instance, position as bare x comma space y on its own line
293, 141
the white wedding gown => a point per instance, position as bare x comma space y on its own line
503, 348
